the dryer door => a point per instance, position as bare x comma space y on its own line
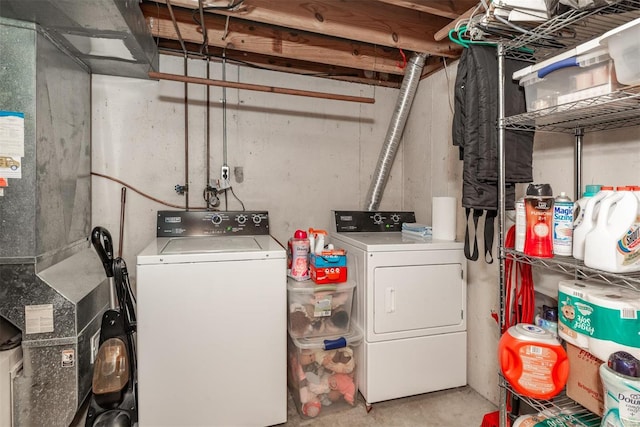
417, 300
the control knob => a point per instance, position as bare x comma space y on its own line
377, 218
216, 219
395, 218
241, 219
256, 219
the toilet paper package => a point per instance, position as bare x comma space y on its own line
575, 315
616, 317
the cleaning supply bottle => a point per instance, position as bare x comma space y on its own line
621, 382
298, 256
562, 225
588, 221
580, 204
539, 212
521, 225
533, 361
614, 243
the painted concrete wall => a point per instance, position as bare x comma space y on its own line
301, 157
432, 168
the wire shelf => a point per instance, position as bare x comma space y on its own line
559, 33
614, 110
572, 266
561, 404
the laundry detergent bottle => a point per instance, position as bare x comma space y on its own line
588, 221
533, 361
298, 256
621, 382
614, 244
581, 204
538, 204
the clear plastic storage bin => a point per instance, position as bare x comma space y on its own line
322, 373
567, 78
624, 48
319, 310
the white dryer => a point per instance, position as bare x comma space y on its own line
212, 293
411, 305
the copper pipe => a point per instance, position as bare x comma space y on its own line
259, 88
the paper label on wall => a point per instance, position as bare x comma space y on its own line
38, 319
11, 134
10, 167
68, 358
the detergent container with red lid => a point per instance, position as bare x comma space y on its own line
533, 361
538, 205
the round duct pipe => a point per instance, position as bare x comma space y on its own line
396, 127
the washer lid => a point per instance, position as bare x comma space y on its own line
169, 250
190, 245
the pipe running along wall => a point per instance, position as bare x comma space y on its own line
396, 127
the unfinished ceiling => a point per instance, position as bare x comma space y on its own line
365, 41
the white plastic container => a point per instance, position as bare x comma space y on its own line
581, 204
588, 222
624, 47
614, 244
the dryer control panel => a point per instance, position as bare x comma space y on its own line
212, 223
367, 221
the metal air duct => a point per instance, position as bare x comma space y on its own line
108, 36
396, 127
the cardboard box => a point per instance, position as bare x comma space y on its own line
326, 275
584, 384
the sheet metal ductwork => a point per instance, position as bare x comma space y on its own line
52, 285
396, 127
109, 36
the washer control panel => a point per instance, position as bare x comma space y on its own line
212, 223
365, 221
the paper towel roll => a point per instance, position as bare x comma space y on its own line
443, 218
617, 326
573, 321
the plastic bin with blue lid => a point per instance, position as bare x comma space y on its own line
322, 373
580, 73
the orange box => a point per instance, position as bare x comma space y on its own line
323, 275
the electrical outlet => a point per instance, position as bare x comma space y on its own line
95, 345
224, 173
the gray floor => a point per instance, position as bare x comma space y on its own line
459, 407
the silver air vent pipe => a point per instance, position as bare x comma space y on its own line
396, 127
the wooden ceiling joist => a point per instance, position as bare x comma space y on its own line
448, 9
411, 30
270, 40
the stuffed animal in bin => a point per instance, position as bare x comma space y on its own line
339, 361
342, 385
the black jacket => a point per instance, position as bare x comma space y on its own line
475, 129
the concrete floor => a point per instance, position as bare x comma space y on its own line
459, 407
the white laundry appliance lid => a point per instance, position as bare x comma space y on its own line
393, 241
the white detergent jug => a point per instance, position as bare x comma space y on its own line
614, 244
588, 221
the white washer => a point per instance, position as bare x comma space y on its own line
411, 305
211, 306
